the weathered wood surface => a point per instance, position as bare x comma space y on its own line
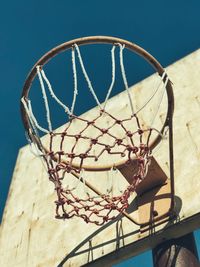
30, 236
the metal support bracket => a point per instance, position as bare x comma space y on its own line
154, 194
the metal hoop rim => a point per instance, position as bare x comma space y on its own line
98, 40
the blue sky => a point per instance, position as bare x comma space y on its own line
167, 29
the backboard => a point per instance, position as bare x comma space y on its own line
30, 236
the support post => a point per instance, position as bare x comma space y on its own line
180, 252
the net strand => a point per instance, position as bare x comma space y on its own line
33, 148
152, 96
124, 76
86, 75
113, 75
33, 118
66, 109
35, 125
160, 100
110, 181
75, 81
45, 99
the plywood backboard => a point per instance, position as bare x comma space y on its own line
30, 236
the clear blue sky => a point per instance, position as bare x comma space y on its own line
167, 29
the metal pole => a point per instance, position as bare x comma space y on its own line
180, 252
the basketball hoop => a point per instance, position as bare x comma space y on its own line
72, 150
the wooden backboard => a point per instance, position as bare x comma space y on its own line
30, 236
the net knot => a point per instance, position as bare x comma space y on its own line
76, 209
95, 211
69, 201
118, 121
108, 148
85, 218
104, 131
140, 131
66, 216
90, 122
119, 141
77, 137
135, 149
105, 218
129, 134
107, 206
77, 199
83, 155
113, 206
71, 155
94, 141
